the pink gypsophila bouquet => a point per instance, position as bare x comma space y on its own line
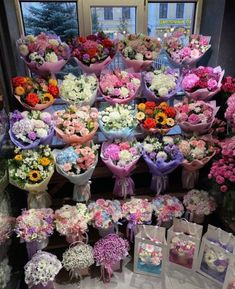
230, 112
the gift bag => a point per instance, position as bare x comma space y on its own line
216, 254
229, 282
150, 250
183, 242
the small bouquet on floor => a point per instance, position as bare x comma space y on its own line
29, 129
35, 93
230, 112
79, 90
119, 86
94, 52
136, 212
139, 51
77, 163
72, 222
76, 124
161, 84
44, 54
41, 270
162, 158
118, 121
34, 227
121, 158
197, 152
5, 273
105, 215
155, 118
167, 208
108, 253
31, 170
202, 83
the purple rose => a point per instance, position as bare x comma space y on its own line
212, 84
194, 118
32, 135
86, 57
112, 152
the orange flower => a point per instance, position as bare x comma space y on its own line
170, 111
150, 104
141, 106
53, 82
19, 90
163, 105
19, 81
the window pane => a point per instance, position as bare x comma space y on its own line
161, 18
52, 17
117, 25
108, 13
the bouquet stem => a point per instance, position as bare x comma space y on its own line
34, 246
189, 178
38, 200
124, 187
159, 184
82, 193
105, 232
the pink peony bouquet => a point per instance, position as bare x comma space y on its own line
119, 86
230, 112
203, 83
6, 228
121, 158
76, 125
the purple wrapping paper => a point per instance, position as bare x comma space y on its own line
50, 285
34, 246
131, 231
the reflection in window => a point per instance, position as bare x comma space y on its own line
126, 13
163, 10
180, 10
108, 13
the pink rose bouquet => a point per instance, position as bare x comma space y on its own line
76, 125
228, 85
121, 158
119, 86
230, 112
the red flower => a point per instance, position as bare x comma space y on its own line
92, 37
150, 104
149, 111
92, 52
150, 123
107, 43
32, 99
54, 90
19, 81
170, 111
81, 39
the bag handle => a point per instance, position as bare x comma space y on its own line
189, 226
223, 242
149, 237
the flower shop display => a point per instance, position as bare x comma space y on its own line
119, 86
77, 260
41, 270
229, 282
199, 204
230, 112
195, 117
197, 152
118, 121
161, 84
77, 163
34, 227
72, 222
31, 170
202, 83
79, 90
76, 124
5, 273
136, 212
29, 129
43, 54
105, 215
162, 157
94, 52
121, 157
139, 51
166, 208
35, 93
228, 85
150, 251
108, 253
154, 118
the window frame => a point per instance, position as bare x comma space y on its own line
110, 15
129, 13
163, 10
178, 11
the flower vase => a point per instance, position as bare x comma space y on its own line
49, 285
197, 218
228, 207
34, 246
104, 232
72, 238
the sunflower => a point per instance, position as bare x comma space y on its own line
44, 161
34, 176
140, 115
170, 121
161, 118
141, 106
163, 105
18, 158
53, 82
19, 90
47, 97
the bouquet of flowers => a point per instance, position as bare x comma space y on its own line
167, 208
119, 86
228, 85
5, 273
29, 129
108, 252
35, 93
197, 152
72, 222
94, 52
3, 126
203, 83
161, 85
118, 121
81, 90
76, 124
139, 51
44, 54
155, 118
196, 117
77, 163
6, 228
136, 212
230, 112
31, 170
121, 158
41, 270
150, 254
162, 158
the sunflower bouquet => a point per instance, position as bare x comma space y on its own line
31, 170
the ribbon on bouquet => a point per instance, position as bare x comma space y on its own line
106, 272
82, 193
189, 178
159, 184
37, 200
131, 231
123, 187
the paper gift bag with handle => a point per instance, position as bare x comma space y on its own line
150, 250
229, 282
183, 242
216, 254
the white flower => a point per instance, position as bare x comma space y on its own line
51, 57
162, 155
125, 155
37, 123
23, 50
114, 115
30, 38
54, 42
148, 147
41, 133
168, 140
139, 56
136, 81
124, 92
163, 91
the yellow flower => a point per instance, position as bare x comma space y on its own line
161, 118
47, 97
140, 115
170, 121
18, 158
44, 161
53, 82
141, 106
34, 176
19, 90
163, 105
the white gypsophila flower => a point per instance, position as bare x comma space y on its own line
5, 273
41, 132
139, 56
36, 57
51, 57
124, 92
162, 155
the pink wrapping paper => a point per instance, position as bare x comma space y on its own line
137, 65
46, 67
37, 106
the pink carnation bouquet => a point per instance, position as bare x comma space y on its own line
230, 112
119, 86
121, 158
203, 83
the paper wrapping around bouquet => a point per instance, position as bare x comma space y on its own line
49, 285
3, 183
34, 246
134, 65
39, 106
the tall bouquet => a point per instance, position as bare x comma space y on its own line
162, 158
31, 170
121, 158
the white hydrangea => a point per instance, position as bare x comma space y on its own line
51, 57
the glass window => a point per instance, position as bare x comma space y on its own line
163, 10
108, 13
180, 10
126, 13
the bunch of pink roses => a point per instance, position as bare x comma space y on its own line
230, 111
